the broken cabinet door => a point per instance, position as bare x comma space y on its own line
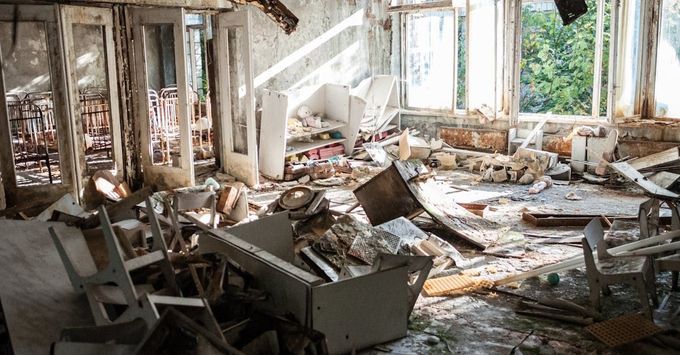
93, 90
163, 100
236, 100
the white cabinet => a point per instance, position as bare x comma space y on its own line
330, 101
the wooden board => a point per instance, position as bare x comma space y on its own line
665, 157
395, 193
36, 294
627, 171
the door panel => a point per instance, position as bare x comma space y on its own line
36, 147
165, 130
237, 103
93, 90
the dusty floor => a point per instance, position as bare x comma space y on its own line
486, 323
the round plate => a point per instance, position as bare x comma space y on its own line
296, 197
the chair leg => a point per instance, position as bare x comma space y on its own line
644, 296
595, 288
650, 281
606, 290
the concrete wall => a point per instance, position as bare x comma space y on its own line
26, 65
355, 53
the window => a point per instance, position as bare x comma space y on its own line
668, 61
434, 64
430, 60
564, 69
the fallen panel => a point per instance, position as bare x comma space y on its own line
362, 311
37, 298
627, 171
396, 193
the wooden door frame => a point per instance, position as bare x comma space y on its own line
163, 177
94, 16
47, 14
242, 166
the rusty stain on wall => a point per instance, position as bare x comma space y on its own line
481, 139
557, 144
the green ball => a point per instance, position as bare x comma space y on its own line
553, 279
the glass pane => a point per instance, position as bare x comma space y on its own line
668, 61
237, 82
201, 113
91, 75
462, 38
557, 64
429, 60
33, 124
159, 50
630, 48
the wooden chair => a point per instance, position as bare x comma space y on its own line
114, 285
607, 270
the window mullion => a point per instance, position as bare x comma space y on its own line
455, 61
613, 60
599, 49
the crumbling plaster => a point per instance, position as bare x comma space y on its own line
347, 58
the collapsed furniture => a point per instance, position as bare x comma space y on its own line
337, 309
113, 285
607, 269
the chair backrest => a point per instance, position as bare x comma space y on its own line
593, 233
76, 256
184, 201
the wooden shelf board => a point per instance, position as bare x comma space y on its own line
301, 147
334, 125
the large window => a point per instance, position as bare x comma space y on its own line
434, 63
564, 69
668, 61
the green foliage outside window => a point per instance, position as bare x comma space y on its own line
557, 65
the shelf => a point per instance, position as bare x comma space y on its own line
334, 125
301, 147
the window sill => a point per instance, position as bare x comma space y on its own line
579, 120
458, 114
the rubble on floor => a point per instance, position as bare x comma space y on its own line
334, 261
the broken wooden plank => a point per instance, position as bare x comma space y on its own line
630, 173
668, 156
665, 179
532, 134
578, 260
570, 220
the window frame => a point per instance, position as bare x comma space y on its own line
403, 10
598, 63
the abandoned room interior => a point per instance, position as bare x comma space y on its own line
339, 177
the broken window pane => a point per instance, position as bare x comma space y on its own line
558, 62
159, 51
668, 61
429, 62
91, 76
33, 124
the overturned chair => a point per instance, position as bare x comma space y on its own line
606, 269
112, 286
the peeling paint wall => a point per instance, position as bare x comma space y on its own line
312, 54
26, 65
